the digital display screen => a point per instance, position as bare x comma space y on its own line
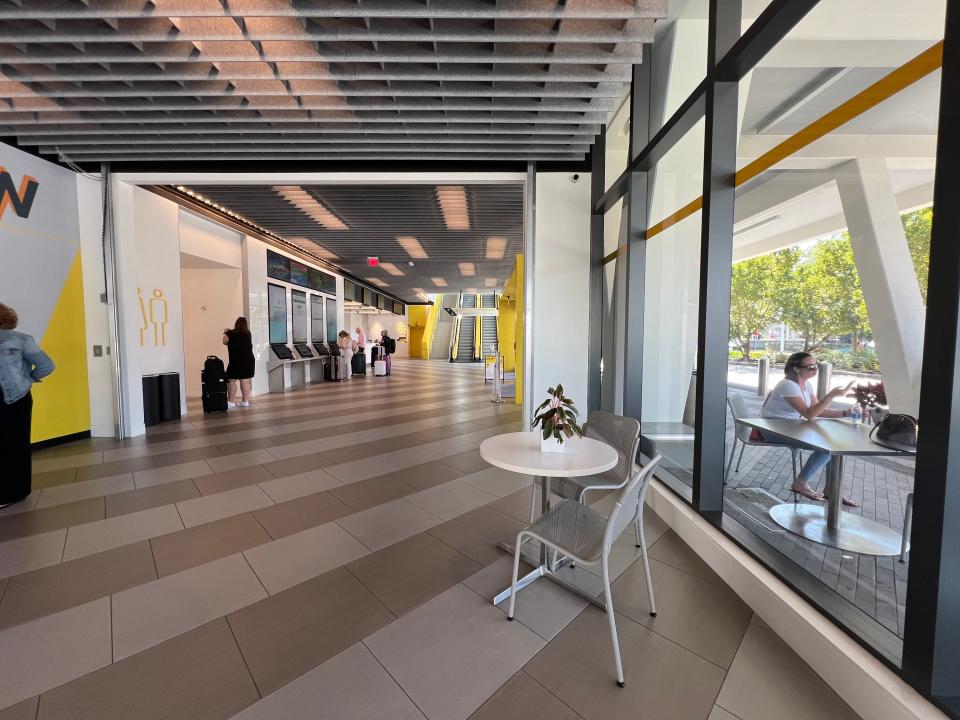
398, 308
331, 319
381, 302
278, 266
299, 274
277, 310
368, 297
317, 327
349, 290
298, 303
329, 284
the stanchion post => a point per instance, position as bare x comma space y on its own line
824, 378
763, 376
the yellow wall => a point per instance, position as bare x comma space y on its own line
417, 318
507, 328
518, 338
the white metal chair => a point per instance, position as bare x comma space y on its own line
584, 535
741, 434
907, 525
623, 435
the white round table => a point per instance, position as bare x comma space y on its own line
520, 452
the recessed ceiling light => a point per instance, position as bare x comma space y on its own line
490, 282
453, 204
496, 247
314, 247
309, 205
391, 268
377, 281
410, 263
467, 269
439, 282
413, 247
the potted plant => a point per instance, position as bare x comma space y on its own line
873, 398
557, 419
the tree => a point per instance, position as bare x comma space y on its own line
755, 291
916, 227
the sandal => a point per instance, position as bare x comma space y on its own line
806, 491
846, 501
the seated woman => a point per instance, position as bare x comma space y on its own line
794, 398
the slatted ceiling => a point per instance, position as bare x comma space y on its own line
376, 215
316, 79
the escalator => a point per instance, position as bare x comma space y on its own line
440, 347
467, 330
488, 326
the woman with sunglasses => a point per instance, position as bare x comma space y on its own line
794, 398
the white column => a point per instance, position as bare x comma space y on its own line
887, 276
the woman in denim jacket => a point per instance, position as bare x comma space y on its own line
22, 363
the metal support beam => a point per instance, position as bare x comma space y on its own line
598, 156
716, 257
529, 258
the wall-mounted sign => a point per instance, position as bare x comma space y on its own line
20, 198
154, 315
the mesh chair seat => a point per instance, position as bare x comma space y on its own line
575, 527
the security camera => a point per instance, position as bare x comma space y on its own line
575, 179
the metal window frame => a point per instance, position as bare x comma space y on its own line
932, 629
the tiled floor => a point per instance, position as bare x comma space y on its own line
331, 553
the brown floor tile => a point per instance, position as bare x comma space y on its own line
182, 456
370, 493
477, 533
52, 589
671, 550
118, 467
54, 477
523, 698
663, 680
296, 465
197, 676
150, 497
425, 476
516, 505
301, 513
285, 635
194, 546
369, 449
413, 571
240, 446
27, 710
34, 522
466, 462
706, 618
231, 479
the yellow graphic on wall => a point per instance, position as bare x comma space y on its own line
153, 312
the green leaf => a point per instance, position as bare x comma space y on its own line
546, 432
559, 389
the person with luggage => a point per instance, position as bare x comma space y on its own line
22, 363
346, 344
389, 346
361, 340
241, 363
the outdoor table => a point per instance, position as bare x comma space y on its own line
830, 526
519, 452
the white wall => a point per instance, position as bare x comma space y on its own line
372, 325
561, 286
212, 301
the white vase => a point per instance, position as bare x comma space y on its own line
550, 445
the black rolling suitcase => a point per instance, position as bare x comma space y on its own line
213, 379
358, 363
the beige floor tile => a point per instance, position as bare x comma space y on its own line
476, 533
767, 679
350, 686
542, 606
85, 489
28, 503
239, 460
371, 492
523, 698
197, 676
413, 571
673, 551
67, 461
31, 552
386, 524
231, 479
204, 543
298, 465
357, 470
704, 617
719, 713
26, 710
44, 520
424, 476
662, 678
516, 505
135, 451
306, 447
294, 631
171, 473
122, 530
290, 517
54, 478
53, 650
178, 457
498, 482
291, 487
150, 497
451, 499
408, 457
453, 652
149, 614
468, 461
59, 587
291, 560
214, 507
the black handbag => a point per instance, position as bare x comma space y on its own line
897, 432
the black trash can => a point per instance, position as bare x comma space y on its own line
151, 400
169, 396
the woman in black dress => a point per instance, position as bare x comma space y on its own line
241, 363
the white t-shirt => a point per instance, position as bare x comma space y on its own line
776, 405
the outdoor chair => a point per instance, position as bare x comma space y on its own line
907, 525
741, 434
580, 533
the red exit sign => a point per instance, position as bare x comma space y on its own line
373, 261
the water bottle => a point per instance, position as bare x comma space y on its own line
856, 415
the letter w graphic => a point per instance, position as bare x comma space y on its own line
20, 198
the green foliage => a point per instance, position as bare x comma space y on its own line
916, 227
557, 416
755, 297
